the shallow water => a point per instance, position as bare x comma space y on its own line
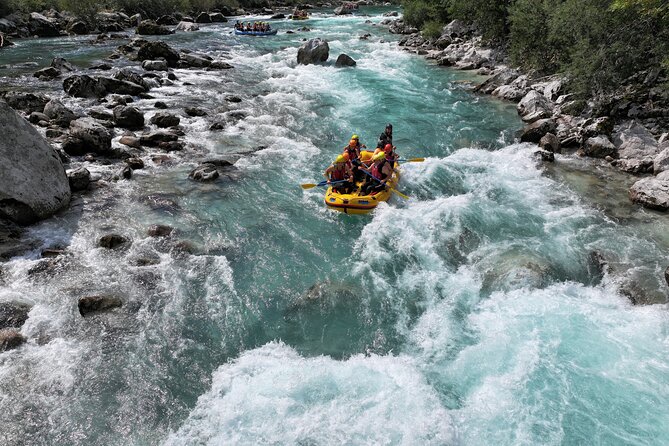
469, 314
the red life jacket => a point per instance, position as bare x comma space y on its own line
377, 170
338, 174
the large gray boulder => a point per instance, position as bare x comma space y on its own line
344, 60
151, 28
661, 161
40, 26
128, 117
651, 192
535, 131
534, 106
158, 50
599, 147
187, 27
27, 102
87, 135
634, 141
33, 184
58, 113
313, 51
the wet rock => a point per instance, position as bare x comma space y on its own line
102, 67
550, 143
159, 231
599, 147
114, 241
124, 173
635, 166
203, 17
145, 260
4, 41
278, 16
62, 65
26, 102
87, 135
13, 314
130, 141
514, 91
154, 65
233, 99
10, 338
666, 275
96, 304
118, 85
399, 27
545, 155
135, 163
204, 172
651, 192
151, 28
534, 106
187, 27
153, 139
344, 60
58, 113
535, 131
195, 111
164, 120
84, 86
33, 184
54, 134
313, 51
79, 179
47, 74
161, 105
158, 50
50, 253
128, 117
218, 125
190, 60
36, 117
171, 146
342, 10
102, 115
219, 65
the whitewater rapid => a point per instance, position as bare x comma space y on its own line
469, 314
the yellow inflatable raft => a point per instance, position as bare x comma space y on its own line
354, 203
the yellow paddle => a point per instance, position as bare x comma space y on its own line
322, 183
406, 197
411, 160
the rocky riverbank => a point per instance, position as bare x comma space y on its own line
629, 128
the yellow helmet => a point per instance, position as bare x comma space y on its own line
355, 137
340, 159
379, 156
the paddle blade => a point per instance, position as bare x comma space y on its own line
416, 160
406, 197
308, 185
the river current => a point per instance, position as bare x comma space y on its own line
470, 314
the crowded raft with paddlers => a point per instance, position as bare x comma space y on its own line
359, 179
254, 29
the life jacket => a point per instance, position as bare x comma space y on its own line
338, 174
377, 170
391, 157
352, 154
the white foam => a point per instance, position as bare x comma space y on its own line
271, 395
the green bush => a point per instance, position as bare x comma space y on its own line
491, 16
418, 12
432, 29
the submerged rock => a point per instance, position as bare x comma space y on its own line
48, 73
549, 142
204, 172
33, 184
114, 241
195, 111
159, 231
13, 314
10, 338
95, 304
313, 51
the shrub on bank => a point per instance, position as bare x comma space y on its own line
432, 29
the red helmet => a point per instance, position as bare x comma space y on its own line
388, 148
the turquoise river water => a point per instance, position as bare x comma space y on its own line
466, 315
